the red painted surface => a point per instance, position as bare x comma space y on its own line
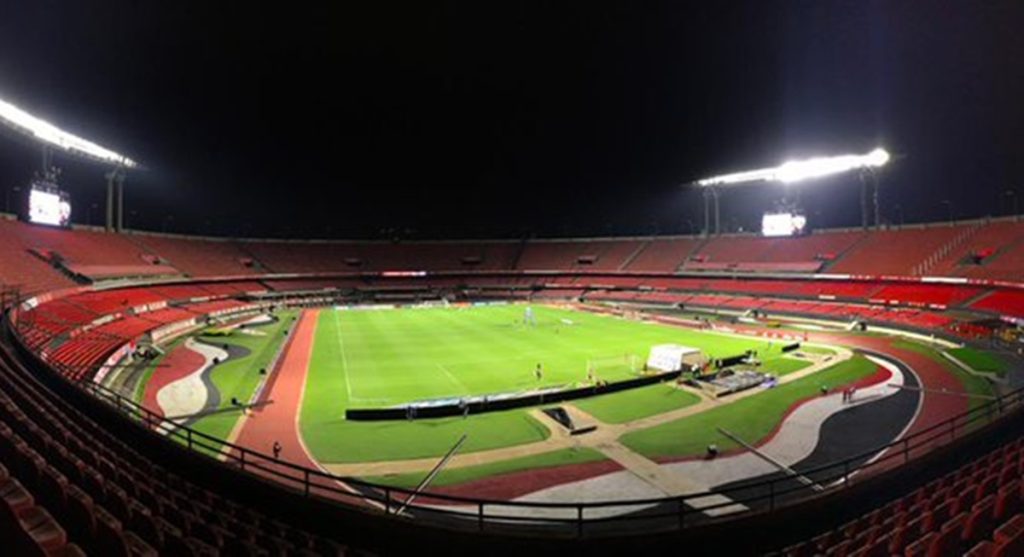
278, 420
180, 362
517, 484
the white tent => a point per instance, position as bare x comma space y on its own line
672, 357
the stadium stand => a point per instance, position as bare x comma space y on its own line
974, 510
45, 257
68, 487
896, 252
996, 252
926, 294
745, 250
111, 499
84, 252
200, 257
601, 254
663, 254
22, 268
1003, 302
981, 241
305, 257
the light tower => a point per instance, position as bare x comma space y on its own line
51, 137
798, 171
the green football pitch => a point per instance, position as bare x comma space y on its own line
376, 358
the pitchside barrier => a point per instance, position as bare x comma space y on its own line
791, 347
478, 405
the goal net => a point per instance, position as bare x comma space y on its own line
611, 367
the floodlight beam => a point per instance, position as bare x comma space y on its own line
49, 134
799, 170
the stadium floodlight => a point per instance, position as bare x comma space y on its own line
795, 171
51, 135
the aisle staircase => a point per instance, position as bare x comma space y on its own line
945, 251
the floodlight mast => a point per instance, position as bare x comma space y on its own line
798, 171
51, 137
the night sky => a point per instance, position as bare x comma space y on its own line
431, 120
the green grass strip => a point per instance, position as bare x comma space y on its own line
626, 406
752, 418
971, 383
980, 360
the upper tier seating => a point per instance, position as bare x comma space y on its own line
93, 254
200, 258
1006, 262
598, 255
823, 246
979, 239
925, 250
21, 268
296, 257
895, 252
663, 255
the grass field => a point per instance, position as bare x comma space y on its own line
980, 361
617, 408
973, 384
389, 357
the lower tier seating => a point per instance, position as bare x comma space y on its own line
111, 500
975, 510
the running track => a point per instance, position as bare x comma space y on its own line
279, 419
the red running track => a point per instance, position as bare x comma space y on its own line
278, 421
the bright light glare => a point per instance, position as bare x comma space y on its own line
48, 133
795, 171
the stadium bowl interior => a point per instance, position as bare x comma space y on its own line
124, 427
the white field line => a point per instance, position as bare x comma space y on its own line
344, 359
453, 379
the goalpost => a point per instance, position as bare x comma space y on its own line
610, 366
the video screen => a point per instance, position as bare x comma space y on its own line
783, 224
49, 207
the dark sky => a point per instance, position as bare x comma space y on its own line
486, 119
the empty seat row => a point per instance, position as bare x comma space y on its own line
976, 509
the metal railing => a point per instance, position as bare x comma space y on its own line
572, 519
